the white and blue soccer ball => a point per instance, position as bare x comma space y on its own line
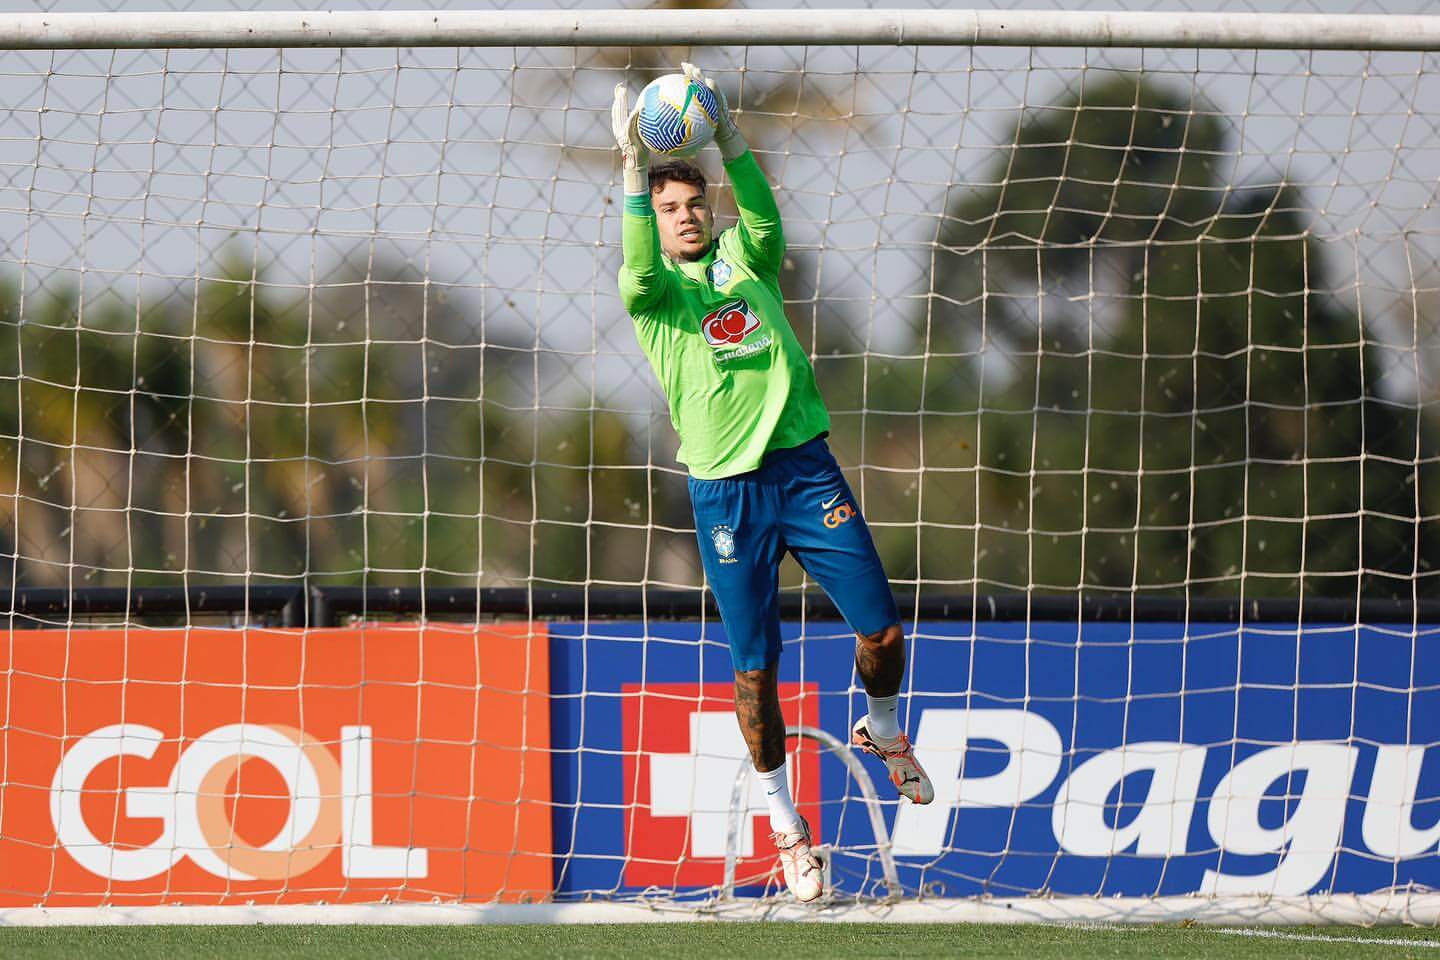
677, 116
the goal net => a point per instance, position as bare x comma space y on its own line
347, 555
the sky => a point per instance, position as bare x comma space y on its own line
491, 172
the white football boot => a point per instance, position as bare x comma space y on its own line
905, 771
804, 874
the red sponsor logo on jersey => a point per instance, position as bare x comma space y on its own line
730, 324
682, 751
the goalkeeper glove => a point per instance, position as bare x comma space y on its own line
634, 155
727, 136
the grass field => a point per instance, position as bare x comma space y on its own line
731, 940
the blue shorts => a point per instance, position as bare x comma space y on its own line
798, 501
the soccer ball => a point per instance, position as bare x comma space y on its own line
677, 116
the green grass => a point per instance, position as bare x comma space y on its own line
734, 941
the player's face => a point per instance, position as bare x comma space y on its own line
684, 220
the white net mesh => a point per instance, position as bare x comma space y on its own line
1112, 322
270, 313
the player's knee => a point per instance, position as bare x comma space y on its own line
749, 678
891, 639
758, 682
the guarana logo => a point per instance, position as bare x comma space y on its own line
730, 324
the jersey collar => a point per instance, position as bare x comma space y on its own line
698, 270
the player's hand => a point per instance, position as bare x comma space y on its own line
625, 124
725, 131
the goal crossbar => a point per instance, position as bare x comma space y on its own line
602, 28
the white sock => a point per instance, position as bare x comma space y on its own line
783, 815
884, 716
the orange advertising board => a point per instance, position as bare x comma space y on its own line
213, 766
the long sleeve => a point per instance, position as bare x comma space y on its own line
759, 230
643, 276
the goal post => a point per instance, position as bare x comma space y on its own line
348, 561
701, 28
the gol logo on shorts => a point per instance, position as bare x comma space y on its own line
839, 515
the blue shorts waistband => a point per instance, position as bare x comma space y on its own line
768, 460
771, 457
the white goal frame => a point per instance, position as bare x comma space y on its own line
640, 28
36, 31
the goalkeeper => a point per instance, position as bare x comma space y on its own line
709, 315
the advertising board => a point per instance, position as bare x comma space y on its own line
1094, 759
211, 766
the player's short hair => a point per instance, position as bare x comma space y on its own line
674, 168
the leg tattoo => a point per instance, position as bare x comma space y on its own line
757, 707
880, 660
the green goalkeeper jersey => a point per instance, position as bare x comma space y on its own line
737, 380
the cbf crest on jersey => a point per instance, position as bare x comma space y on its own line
724, 539
720, 272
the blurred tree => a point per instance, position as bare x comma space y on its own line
1137, 377
354, 435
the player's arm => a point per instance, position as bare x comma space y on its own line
643, 275
759, 230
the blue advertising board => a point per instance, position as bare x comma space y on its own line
1080, 759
